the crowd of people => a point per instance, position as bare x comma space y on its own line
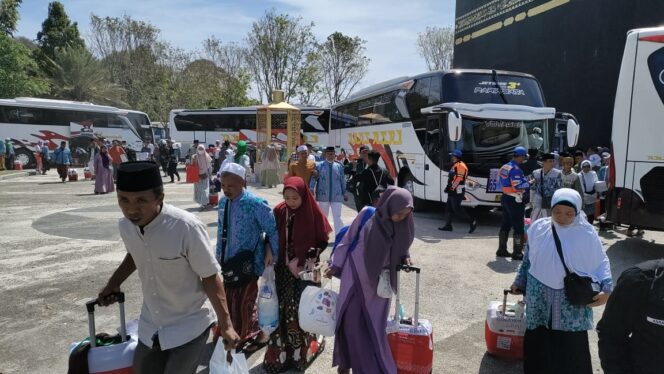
195, 288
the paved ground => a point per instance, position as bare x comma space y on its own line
59, 244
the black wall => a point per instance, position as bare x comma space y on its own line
574, 49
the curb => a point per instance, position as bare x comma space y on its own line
18, 174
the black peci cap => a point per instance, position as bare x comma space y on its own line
330, 149
138, 176
548, 156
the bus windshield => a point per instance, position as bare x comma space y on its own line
484, 88
487, 144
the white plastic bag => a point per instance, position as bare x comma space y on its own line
227, 362
318, 311
384, 288
268, 303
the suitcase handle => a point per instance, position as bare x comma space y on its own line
416, 313
90, 306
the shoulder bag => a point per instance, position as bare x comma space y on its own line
578, 289
239, 270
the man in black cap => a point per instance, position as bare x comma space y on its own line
358, 167
329, 186
456, 190
180, 280
373, 176
545, 182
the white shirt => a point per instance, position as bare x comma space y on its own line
171, 257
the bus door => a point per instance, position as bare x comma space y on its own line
434, 149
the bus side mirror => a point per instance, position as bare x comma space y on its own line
454, 126
572, 132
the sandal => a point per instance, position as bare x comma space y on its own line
254, 345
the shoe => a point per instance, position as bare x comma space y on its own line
517, 253
473, 226
502, 244
446, 228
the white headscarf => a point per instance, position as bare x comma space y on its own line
581, 246
203, 160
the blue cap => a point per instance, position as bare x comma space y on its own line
520, 151
456, 153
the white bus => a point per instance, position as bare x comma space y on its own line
415, 122
29, 120
239, 123
636, 172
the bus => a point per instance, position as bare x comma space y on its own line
239, 123
415, 122
636, 171
27, 120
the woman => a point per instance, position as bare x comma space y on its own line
270, 168
303, 234
384, 241
173, 153
201, 188
556, 339
241, 157
103, 172
38, 158
588, 178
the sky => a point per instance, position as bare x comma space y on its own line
389, 27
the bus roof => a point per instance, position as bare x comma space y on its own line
401, 82
242, 109
56, 104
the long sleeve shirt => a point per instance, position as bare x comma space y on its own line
631, 331
62, 156
549, 307
330, 186
249, 218
512, 179
544, 185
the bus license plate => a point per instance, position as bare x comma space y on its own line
497, 198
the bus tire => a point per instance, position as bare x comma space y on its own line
25, 157
408, 183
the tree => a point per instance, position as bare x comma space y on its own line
18, 71
279, 47
436, 46
57, 31
234, 74
9, 16
79, 76
343, 65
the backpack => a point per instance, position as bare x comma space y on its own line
340, 235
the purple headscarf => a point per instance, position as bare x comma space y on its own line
386, 239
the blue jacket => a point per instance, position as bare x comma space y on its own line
512, 179
2, 148
62, 156
331, 183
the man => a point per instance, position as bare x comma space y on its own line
578, 159
456, 190
9, 154
243, 220
330, 187
570, 179
131, 154
355, 171
631, 331
191, 151
2, 155
216, 156
310, 152
535, 139
531, 164
62, 159
372, 177
304, 167
180, 280
118, 156
545, 182
514, 184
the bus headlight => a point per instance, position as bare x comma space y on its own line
471, 185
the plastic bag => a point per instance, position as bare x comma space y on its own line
227, 362
384, 289
268, 303
317, 311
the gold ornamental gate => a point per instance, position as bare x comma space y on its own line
278, 115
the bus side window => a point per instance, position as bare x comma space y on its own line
434, 140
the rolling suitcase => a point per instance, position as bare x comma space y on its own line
504, 328
115, 358
411, 340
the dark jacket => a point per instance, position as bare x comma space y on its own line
372, 177
631, 331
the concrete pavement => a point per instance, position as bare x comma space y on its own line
60, 244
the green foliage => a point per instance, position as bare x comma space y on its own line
18, 71
57, 31
9, 16
436, 46
343, 65
79, 76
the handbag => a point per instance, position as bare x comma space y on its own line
239, 270
578, 289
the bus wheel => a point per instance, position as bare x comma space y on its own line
25, 157
408, 183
